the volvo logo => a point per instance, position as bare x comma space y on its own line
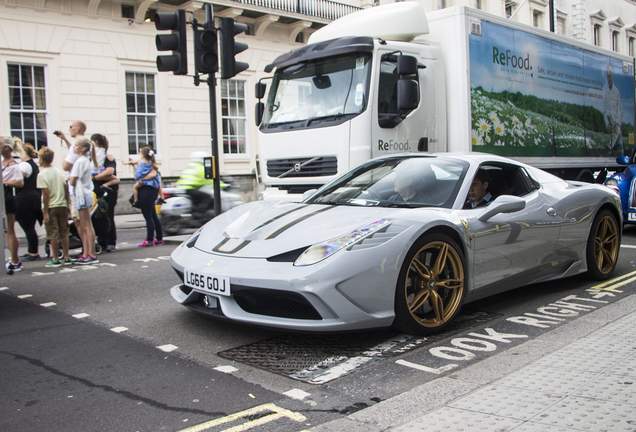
297, 167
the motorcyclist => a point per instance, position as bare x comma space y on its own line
192, 180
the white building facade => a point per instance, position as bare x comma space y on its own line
94, 60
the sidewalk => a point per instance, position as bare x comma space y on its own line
126, 221
578, 377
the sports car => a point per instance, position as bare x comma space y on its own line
395, 242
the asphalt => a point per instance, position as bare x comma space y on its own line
581, 376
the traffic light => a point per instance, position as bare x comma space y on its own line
176, 42
206, 52
229, 48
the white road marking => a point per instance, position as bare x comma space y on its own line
427, 369
297, 394
4, 288
628, 246
81, 315
120, 329
226, 369
23, 296
167, 348
41, 273
49, 304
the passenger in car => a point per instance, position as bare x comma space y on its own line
478, 195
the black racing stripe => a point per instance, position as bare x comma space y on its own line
236, 249
297, 221
278, 217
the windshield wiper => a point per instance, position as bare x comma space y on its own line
406, 205
325, 118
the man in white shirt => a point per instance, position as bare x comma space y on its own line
76, 130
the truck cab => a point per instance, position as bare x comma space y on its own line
340, 101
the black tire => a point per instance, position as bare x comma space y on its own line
431, 286
171, 225
98, 249
47, 249
603, 245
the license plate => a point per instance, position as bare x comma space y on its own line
206, 283
631, 216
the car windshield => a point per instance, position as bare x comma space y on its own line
318, 89
397, 182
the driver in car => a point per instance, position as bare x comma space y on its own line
478, 195
409, 185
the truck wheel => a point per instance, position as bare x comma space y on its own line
431, 287
603, 245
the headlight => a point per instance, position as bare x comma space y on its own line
320, 251
612, 183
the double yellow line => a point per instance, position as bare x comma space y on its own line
611, 285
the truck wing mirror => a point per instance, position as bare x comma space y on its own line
622, 160
260, 90
260, 108
408, 94
406, 65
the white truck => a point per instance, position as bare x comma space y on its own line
394, 79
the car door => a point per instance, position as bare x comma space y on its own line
512, 248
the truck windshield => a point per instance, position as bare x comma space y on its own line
330, 88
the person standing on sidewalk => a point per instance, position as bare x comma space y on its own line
54, 207
80, 179
148, 192
77, 131
29, 202
11, 177
107, 177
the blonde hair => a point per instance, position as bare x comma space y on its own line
14, 142
87, 145
46, 155
30, 151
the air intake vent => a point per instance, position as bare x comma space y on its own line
298, 168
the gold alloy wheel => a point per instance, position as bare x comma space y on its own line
606, 244
434, 284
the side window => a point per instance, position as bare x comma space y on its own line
389, 115
509, 180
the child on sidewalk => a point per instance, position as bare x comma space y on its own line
144, 165
55, 200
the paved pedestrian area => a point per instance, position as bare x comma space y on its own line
589, 385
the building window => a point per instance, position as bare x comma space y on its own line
560, 26
631, 46
614, 40
233, 116
536, 18
597, 34
300, 37
509, 9
141, 109
27, 111
127, 11
478, 4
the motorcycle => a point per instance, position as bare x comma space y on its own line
177, 211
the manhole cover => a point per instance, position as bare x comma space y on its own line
317, 359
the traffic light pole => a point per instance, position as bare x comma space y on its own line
214, 133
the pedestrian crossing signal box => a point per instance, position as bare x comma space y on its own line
208, 167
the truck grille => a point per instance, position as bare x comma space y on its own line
321, 166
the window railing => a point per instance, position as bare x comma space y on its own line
316, 8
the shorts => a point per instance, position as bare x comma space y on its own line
74, 212
84, 201
10, 204
58, 228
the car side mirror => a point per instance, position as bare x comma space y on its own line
503, 204
622, 160
308, 193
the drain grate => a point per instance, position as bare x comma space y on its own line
321, 358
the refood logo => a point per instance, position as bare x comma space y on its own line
393, 146
508, 59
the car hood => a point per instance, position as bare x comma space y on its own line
265, 229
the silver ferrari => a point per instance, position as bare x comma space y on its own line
400, 241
